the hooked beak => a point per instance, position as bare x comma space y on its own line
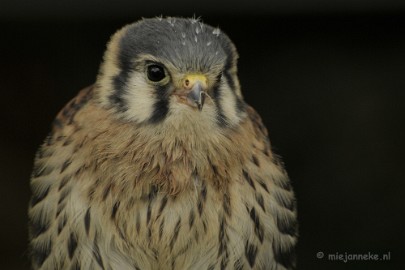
194, 86
197, 95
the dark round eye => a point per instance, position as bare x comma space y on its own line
156, 73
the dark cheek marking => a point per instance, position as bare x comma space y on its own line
116, 98
222, 121
240, 105
161, 107
160, 111
230, 80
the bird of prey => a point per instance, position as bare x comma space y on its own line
161, 164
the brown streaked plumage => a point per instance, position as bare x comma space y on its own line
161, 164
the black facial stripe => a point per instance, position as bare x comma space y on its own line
227, 68
240, 104
230, 80
116, 98
222, 121
119, 81
161, 107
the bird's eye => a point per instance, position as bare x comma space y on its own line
156, 73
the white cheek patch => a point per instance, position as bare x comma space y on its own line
140, 98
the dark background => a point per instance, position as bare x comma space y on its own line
326, 76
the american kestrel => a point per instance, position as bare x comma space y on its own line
161, 164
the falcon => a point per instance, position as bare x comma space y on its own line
161, 164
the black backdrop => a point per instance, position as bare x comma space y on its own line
329, 85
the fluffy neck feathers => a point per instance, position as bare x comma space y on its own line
167, 155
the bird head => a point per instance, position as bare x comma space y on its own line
166, 70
